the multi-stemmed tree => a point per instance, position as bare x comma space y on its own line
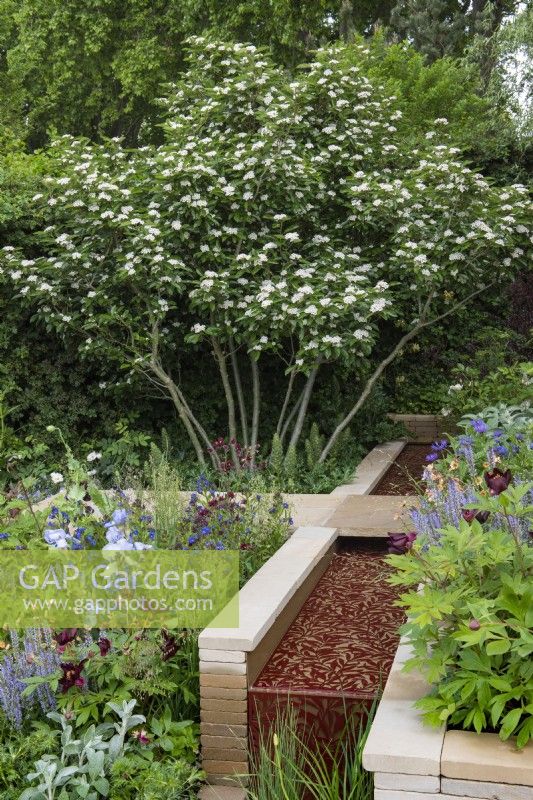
282, 214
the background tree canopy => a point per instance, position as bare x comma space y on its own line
96, 67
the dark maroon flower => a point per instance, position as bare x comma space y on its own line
474, 625
400, 543
72, 675
471, 514
169, 647
498, 481
105, 645
66, 636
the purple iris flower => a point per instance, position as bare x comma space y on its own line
432, 456
56, 537
441, 444
113, 534
119, 544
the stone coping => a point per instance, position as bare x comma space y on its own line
265, 595
372, 515
372, 468
401, 743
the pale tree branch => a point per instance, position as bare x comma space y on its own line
240, 394
256, 405
302, 411
380, 369
230, 401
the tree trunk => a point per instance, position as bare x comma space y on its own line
255, 409
286, 401
240, 395
422, 323
306, 396
201, 430
180, 408
230, 402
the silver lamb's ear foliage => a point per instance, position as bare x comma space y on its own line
93, 755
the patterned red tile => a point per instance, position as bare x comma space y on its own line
338, 652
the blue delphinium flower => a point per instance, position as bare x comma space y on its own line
501, 450
479, 426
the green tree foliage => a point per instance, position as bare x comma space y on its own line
439, 28
96, 67
92, 67
451, 88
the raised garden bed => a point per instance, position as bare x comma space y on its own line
412, 761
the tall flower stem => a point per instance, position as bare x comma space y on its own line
27, 498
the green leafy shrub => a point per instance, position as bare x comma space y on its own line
469, 390
470, 628
18, 752
80, 771
469, 569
